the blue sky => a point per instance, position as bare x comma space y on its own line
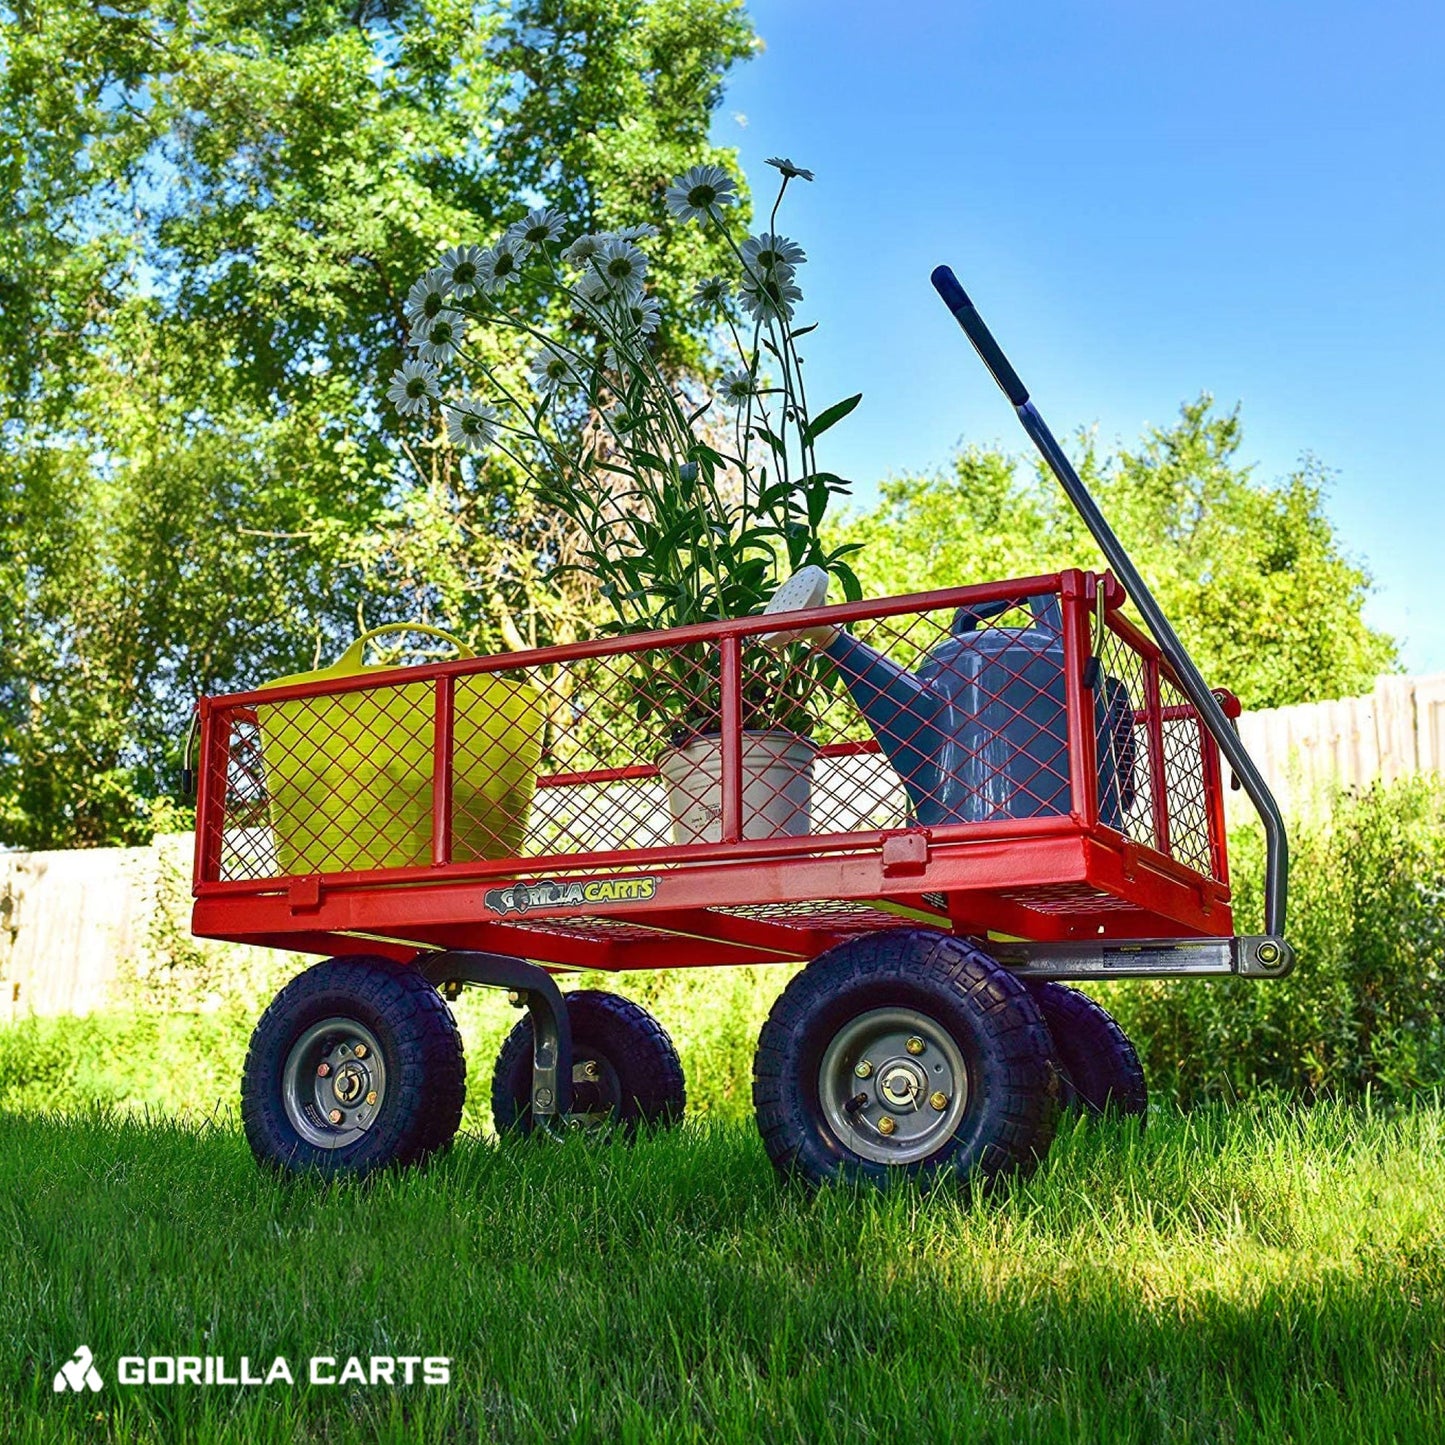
1145, 201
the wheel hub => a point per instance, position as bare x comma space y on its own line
902, 1084
893, 1086
333, 1083
596, 1092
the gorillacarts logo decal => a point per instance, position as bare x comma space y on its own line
523, 896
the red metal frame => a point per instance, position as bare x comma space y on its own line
765, 899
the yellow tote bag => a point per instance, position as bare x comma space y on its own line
349, 775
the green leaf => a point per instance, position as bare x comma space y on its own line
852, 587
830, 417
817, 504
764, 434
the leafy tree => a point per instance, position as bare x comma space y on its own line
1252, 576
215, 209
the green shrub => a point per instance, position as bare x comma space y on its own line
168, 1061
1364, 1006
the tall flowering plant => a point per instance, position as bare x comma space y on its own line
690, 500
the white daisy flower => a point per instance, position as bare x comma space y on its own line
770, 297
472, 425
696, 193
643, 232
767, 251
622, 268
553, 370
443, 338
537, 228
413, 385
499, 266
643, 315
788, 169
584, 248
737, 386
591, 286
632, 321
712, 292
427, 297
461, 270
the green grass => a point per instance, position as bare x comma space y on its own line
1267, 1273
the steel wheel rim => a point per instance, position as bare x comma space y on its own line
333, 1083
870, 1075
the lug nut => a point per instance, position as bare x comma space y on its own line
335, 1116
863, 1068
322, 1070
371, 1097
590, 1069
360, 1051
887, 1124
939, 1100
914, 1045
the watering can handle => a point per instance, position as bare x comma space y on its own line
351, 659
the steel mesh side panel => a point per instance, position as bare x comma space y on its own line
1151, 752
910, 721
248, 845
1123, 742
1184, 742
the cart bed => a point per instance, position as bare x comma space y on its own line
598, 880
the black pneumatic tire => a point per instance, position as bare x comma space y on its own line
638, 1077
414, 1064
1003, 1106
1101, 1068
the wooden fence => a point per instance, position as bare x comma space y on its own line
1307, 750
77, 929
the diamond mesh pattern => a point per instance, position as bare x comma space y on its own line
1184, 742
1151, 756
1123, 743
906, 720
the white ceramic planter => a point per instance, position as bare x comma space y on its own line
777, 786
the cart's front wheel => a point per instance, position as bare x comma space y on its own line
356, 1064
625, 1070
904, 1053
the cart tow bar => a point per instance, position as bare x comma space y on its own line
551, 1031
1275, 949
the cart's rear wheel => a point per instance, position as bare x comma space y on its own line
625, 1070
1101, 1068
356, 1064
904, 1053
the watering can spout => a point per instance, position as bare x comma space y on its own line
904, 713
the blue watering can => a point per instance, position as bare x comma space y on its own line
980, 731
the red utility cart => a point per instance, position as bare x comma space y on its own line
929, 1031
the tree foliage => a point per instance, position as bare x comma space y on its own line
214, 210
1252, 576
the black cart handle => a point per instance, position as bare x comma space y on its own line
1276, 881
966, 314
